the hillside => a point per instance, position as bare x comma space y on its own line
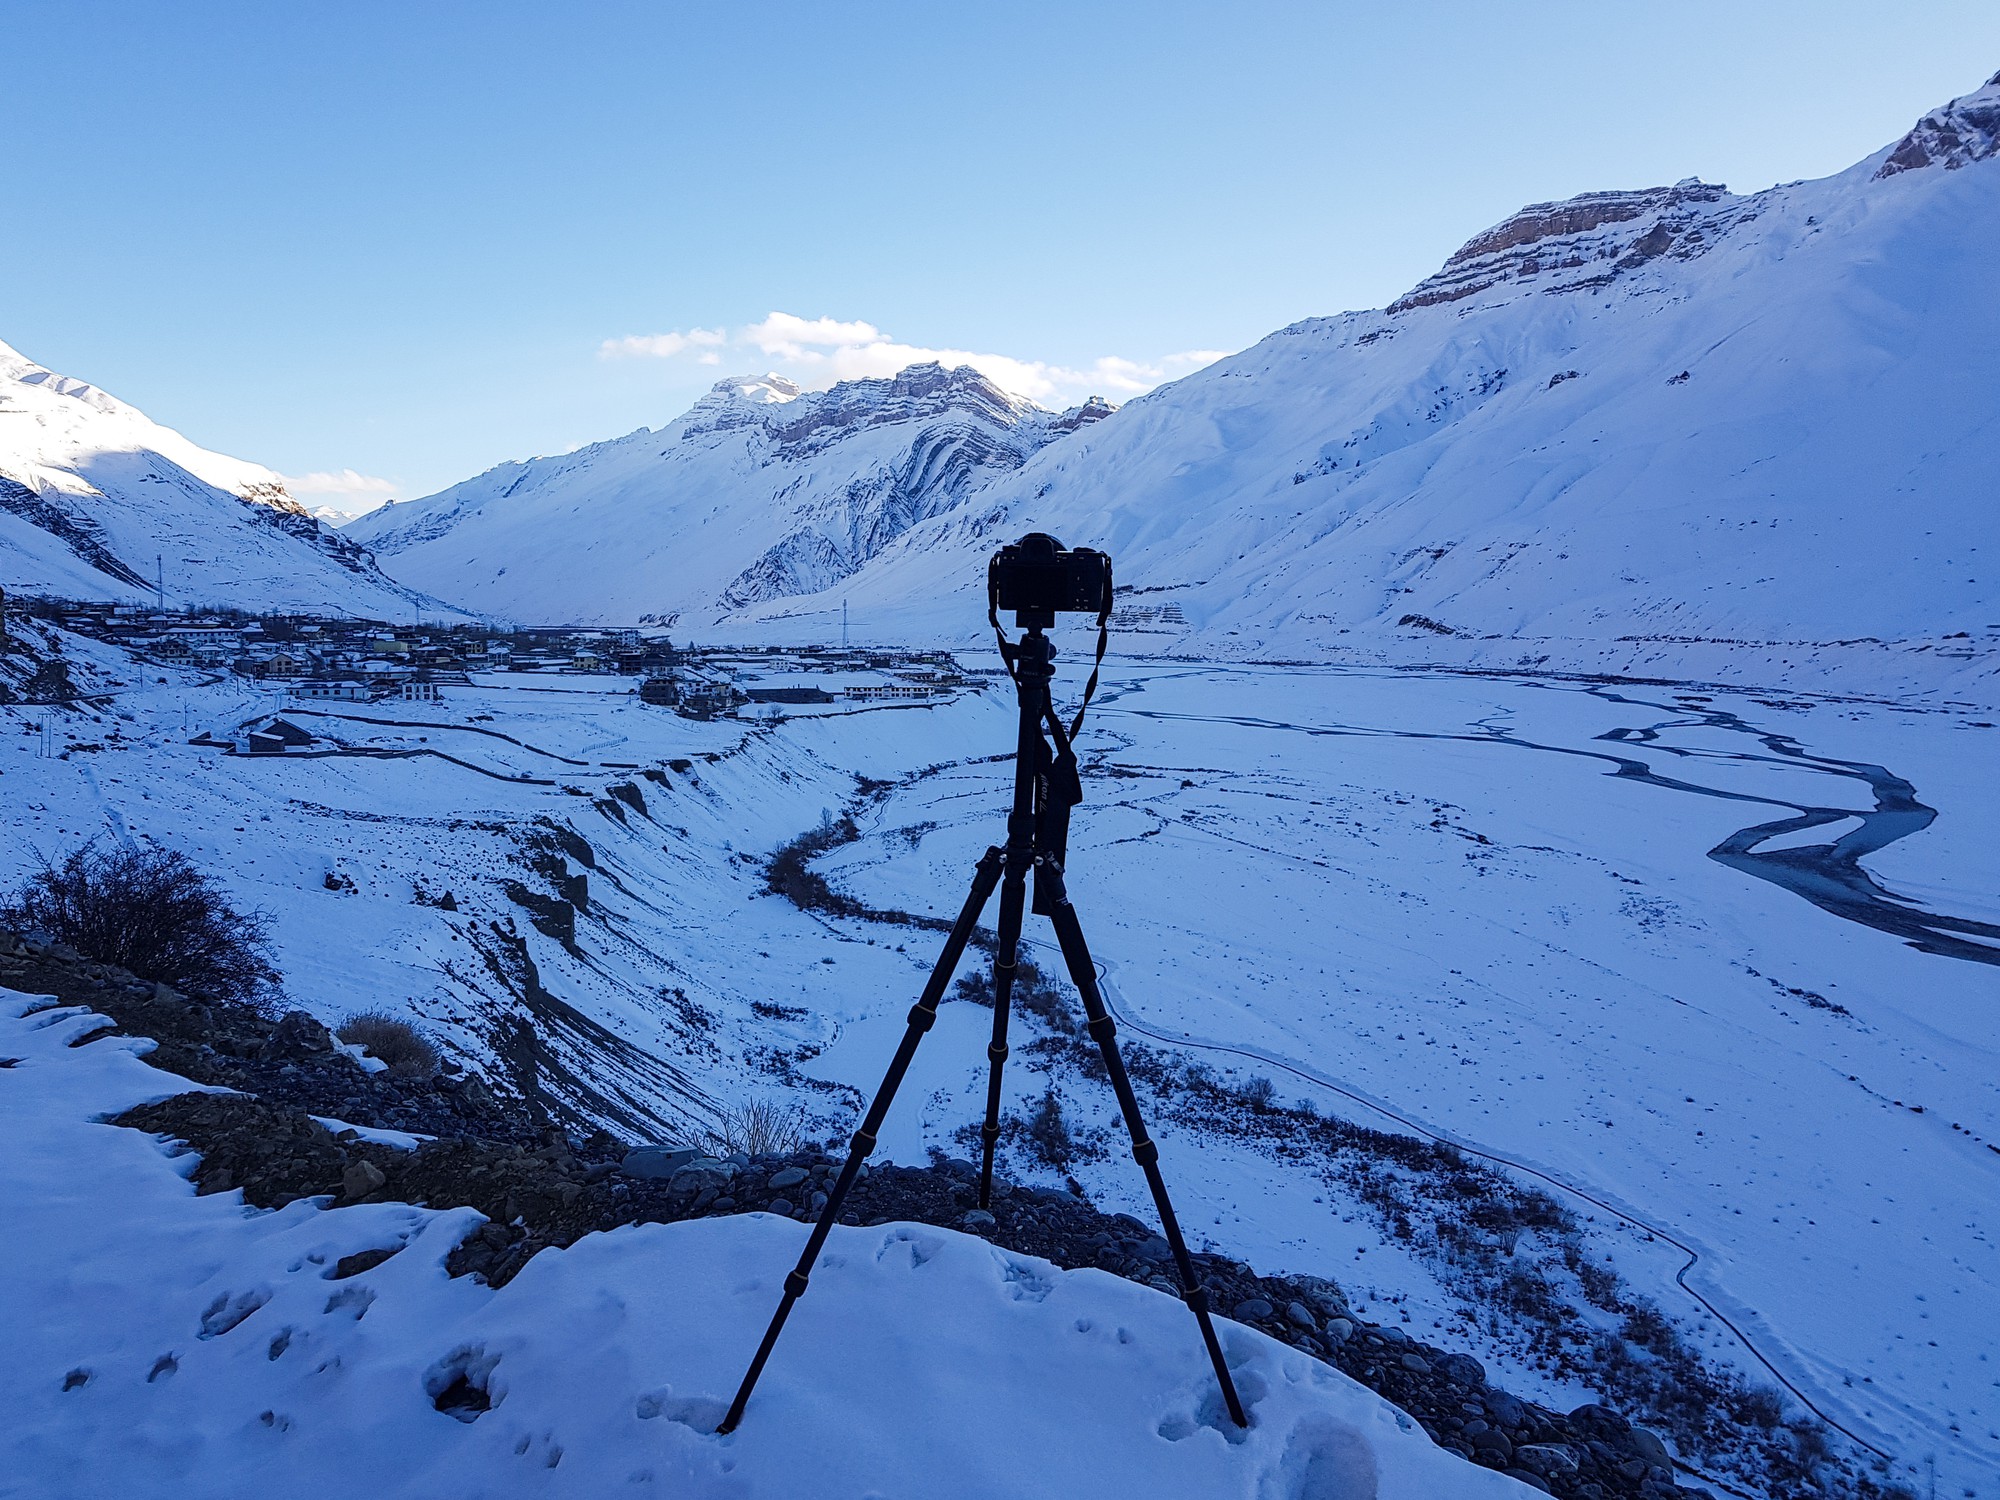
760, 492
1633, 429
97, 501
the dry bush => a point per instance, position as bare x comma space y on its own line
406, 1050
759, 1128
1048, 1135
153, 912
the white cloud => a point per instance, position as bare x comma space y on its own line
786, 334
660, 345
346, 493
817, 352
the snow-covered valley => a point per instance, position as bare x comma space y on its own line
1539, 845
1430, 903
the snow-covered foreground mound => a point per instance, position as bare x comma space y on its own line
164, 1344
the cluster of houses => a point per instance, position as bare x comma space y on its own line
351, 660
340, 658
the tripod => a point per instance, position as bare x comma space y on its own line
1046, 786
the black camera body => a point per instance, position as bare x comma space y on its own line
1038, 578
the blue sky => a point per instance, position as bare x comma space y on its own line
411, 241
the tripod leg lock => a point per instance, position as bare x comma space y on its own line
998, 1051
795, 1284
989, 1133
1145, 1153
922, 1018
863, 1142
1102, 1030
1196, 1297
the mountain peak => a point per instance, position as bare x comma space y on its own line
1951, 136
738, 401
759, 390
914, 392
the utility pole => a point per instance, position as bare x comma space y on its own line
159, 582
843, 624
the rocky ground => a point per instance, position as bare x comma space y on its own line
541, 1189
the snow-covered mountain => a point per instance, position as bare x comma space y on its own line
1631, 426
760, 492
97, 500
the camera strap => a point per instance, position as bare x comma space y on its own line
1103, 640
1058, 787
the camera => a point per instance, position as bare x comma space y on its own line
1037, 577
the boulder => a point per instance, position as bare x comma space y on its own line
297, 1035
656, 1162
702, 1174
1545, 1458
1462, 1368
1648, 1446
361, 1178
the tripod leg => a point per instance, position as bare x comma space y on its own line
1031, 757
1006, 959
1050, 896
922, 1015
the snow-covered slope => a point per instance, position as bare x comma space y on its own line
167, 1344
1608, 429
760, 492
97, 500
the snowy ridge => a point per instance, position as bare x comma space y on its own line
92, 492
760, 492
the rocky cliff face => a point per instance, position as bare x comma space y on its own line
1584, 242
1953, 135
967, 431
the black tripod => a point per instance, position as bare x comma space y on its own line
1046, 786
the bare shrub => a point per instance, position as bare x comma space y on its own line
759, 1128
391, 1040
1048, 1132
1035, 994
153, 912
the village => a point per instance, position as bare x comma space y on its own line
344, 659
